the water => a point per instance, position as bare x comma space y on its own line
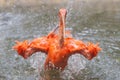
93, 21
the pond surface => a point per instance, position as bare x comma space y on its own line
86, 22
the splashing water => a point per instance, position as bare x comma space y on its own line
88, 21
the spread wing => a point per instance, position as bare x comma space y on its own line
88, 50
25, 48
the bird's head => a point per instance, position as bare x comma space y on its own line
62, 15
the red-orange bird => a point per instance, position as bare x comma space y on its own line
57, 47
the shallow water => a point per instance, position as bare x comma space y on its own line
86, 22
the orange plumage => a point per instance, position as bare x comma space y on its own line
57, 47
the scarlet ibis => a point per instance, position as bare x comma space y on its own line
57, 47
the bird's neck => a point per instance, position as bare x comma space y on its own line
61, 32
